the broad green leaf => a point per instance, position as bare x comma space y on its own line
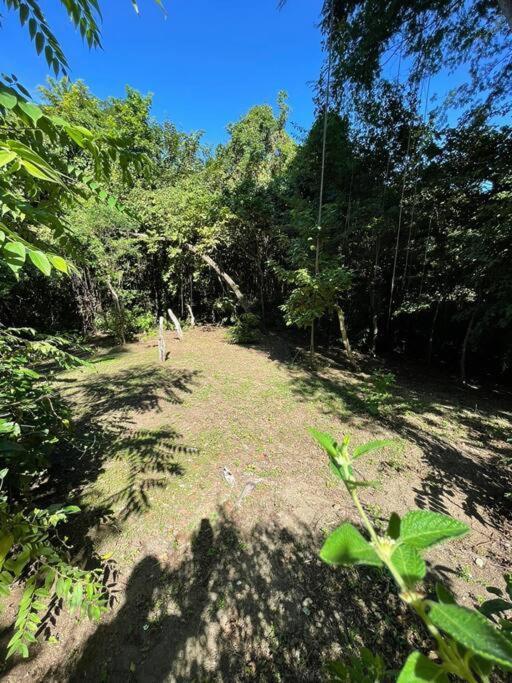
31, 110
371, 446
325, 441
472, 630
346, 546
409, 563
423, 528
40, 260
419, 668
15, 251
59, 263
38, 172
6, 156
7, 99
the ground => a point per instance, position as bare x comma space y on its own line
198, 477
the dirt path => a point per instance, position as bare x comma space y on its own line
218, 572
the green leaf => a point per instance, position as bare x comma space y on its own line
419, 668
325, 441
38, 171
346, 546
409, 564
371, 446
39, 42
423, 528
31, 110
14, 252
7, 99
40, 260
59, 263
6, 541
6, 156
24, 12
473, 631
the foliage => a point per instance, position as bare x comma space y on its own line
312, 295
48, 165
467, 645
32, 552
430, 36
246, 330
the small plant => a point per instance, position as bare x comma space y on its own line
467, 644
378, 393
144, 322
246, 330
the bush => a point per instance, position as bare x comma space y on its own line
144, 322
33, 421
246, 330
129, 323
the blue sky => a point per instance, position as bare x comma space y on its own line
207, 63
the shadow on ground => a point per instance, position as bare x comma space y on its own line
255, 606
106, 432
453, 472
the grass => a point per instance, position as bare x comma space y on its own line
220, 576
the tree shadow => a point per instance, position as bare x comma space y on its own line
475, 478
106, 432
254, 605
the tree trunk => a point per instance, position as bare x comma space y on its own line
432, 330
344, 335
312, 344
119, 310
465, 347
506, 8
227, 279
373, 304
176, 324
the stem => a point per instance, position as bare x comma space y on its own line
452, 661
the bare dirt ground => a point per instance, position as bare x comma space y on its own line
217, 577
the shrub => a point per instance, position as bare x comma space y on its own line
246, 330
33, 420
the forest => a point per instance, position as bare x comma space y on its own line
183, 326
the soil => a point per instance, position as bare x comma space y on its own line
199, 479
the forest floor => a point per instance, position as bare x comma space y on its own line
219, 580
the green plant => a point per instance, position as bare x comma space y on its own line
32, 552
378, 392
246, 330
363, 668
467, 644
144, 322
499, 609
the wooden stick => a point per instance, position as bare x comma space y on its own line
176, 323
161, 339
191, 313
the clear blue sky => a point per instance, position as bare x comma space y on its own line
207, 63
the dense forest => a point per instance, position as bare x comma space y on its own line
384, 232
415, 234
